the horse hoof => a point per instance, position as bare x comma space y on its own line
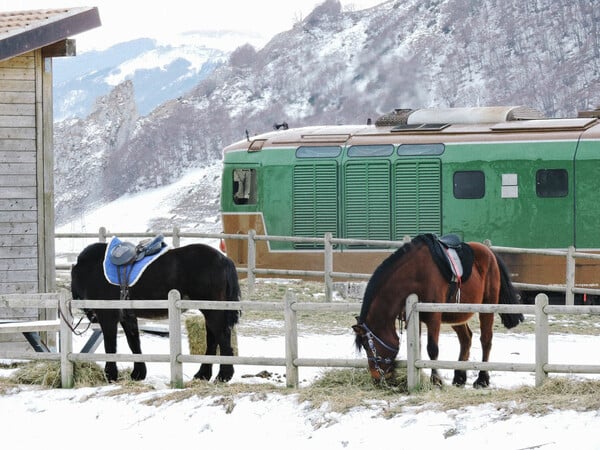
224, 378
138, 373
111, 373
203, 374
460, 379
481, 384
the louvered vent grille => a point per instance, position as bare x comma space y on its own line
367, 211
418, 199
314, 200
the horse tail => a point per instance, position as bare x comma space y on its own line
508, 296
233, 291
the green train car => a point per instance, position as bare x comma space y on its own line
503, 174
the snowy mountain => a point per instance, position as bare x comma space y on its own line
187, 203
334, 67
159, 73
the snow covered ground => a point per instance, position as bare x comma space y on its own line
84, 417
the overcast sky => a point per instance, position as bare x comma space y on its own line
123, 20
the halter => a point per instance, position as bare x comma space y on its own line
375, 358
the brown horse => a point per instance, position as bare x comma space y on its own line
412, 269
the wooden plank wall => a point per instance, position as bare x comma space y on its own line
19, 252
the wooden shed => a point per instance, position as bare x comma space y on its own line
28, 42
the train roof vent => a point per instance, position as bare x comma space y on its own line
396, 117
476, 115
420, 127
593, 113
320, 137
524, 113
576, 124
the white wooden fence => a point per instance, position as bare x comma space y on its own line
328, 242
290, 360
541, 310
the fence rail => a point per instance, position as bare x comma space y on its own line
176, 305
290, 360
329, 243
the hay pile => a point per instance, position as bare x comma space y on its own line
196, 331
47, 373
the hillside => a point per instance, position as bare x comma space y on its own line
336, 67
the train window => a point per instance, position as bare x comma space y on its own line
420, 149
370, 150
328, 151
244, 186
469, 184
552, 183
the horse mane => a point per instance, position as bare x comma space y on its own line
380, 274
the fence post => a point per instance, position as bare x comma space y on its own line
175, 339
66, 343
328, 266
176, 239
291, 340
102, 234
251, 265
541, 338
413, 343
570, 277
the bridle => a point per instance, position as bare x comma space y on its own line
376, 359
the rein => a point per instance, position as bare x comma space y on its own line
72, 327
375, 358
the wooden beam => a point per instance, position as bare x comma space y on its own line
66, 47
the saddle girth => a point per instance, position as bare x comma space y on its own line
123, 272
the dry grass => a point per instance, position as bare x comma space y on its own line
557, 393
346, 389
47, 374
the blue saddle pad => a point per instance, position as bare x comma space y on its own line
111, 271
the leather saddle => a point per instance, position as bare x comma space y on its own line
127, 253
453, 257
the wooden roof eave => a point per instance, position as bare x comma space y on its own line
45, 34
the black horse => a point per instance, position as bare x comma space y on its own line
197, 271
